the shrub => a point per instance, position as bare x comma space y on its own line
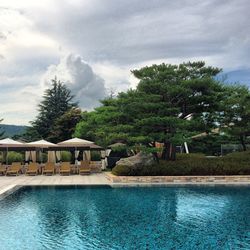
95, 155
122, 170
14, 157
44, 157
193, 164
65, 156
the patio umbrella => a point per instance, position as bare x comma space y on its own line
77, 142
8, 143
43, 144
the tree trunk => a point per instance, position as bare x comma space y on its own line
243, 143
169, 152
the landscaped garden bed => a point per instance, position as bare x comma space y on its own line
192, 164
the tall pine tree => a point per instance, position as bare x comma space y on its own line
57, 100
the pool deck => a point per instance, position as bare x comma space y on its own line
9, 184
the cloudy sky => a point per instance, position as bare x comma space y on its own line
92, 45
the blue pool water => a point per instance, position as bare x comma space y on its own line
126, 218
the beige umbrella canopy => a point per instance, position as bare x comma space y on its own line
75, 142
41, 144
10, 142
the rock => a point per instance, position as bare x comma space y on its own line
137, 161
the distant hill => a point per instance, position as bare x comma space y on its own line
11, 130
236, 76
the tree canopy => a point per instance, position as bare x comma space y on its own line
236, 117
158, 110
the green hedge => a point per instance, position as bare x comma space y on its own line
65, 156
15, 157
193, 164
95, 155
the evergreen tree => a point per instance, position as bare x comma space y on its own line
157, 110
57, 100
185, 90
237, 114
65, 125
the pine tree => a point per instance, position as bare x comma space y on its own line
156, 110
57, 100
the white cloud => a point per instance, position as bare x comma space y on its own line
86, 85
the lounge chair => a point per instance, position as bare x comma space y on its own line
84, 168
32, 169
14, 169
49, 168
65, 168
2, 169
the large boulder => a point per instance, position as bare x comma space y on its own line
136, 161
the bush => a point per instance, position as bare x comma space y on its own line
14, 157
122, 170
193, 164
65, 156
44, 157
95, 155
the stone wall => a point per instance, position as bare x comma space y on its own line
179, 179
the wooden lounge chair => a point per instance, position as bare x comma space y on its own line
2, 169
14, 169
32, 169
84, 168
49, 168
65, 168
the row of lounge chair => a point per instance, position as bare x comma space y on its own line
48, 169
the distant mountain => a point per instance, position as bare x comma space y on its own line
237, 76
11, 130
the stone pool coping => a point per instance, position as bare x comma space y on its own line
218, 179
9, 185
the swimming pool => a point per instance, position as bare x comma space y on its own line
188, 217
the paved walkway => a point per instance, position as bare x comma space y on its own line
8, 183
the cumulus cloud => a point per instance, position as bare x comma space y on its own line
86, 85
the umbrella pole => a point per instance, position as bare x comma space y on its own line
41, 155
7, 156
